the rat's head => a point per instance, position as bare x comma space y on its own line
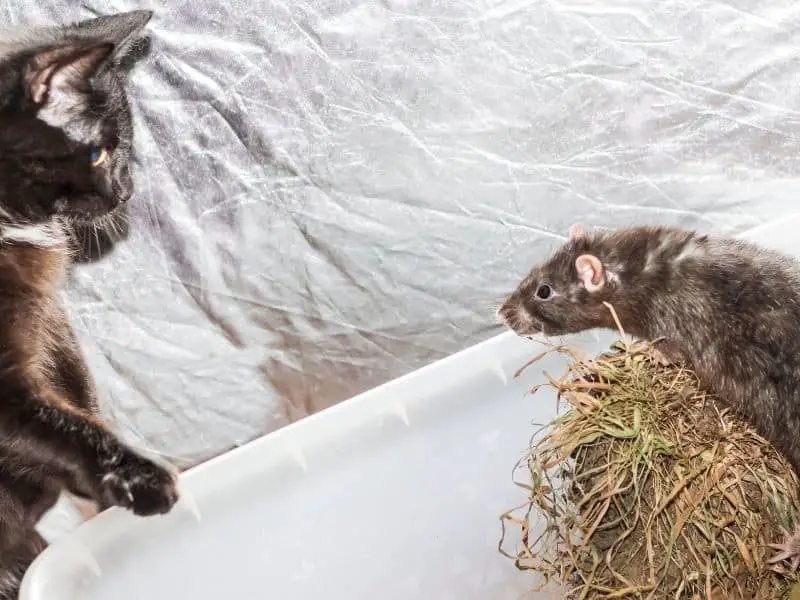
566, 293
67, 135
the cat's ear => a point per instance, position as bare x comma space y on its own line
60, 77
121, 30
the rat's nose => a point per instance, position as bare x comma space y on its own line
504, 314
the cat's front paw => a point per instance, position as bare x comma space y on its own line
140, 485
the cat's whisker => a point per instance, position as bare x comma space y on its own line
119, 222
110, 225
96, 238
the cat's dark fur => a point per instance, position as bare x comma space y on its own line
63, 106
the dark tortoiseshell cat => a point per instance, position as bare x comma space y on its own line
65, 150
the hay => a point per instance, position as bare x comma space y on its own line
648, 488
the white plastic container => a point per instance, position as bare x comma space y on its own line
394, 494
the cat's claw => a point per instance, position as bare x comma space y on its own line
788, 550
140, 485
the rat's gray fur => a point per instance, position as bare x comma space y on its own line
728, 308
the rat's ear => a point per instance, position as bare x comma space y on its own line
575, 232
60, 75
590, 272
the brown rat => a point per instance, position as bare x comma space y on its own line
728, 308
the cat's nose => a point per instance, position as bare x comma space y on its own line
121, 193
123, 190
123, 184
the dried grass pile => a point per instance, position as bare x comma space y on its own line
648, 488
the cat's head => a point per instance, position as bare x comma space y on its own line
66, 136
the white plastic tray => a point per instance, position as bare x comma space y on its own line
394, 494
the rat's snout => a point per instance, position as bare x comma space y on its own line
514, 316
507, 313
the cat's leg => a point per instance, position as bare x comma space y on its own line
71, 375
70, 372
15, 560
41, 428
22, 503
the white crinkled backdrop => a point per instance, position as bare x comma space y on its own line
332, 194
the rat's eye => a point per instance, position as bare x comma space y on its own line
98, 156
544, 292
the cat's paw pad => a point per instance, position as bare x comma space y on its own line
141, 486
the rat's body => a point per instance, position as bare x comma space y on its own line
729, 309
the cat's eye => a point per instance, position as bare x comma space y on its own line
544, 292
98, 156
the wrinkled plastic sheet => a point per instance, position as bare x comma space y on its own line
332, 194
